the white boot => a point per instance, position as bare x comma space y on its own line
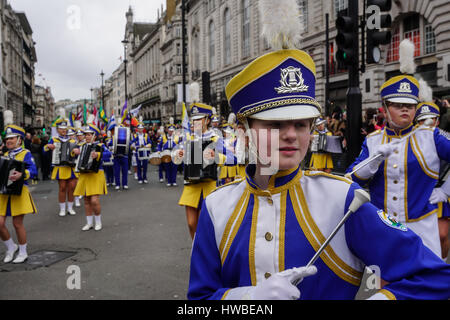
10, 254
62, 209
77, 202
89, 224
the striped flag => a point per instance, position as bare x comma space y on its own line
102, 114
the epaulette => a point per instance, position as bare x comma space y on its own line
374, 133
228, 184
310, 173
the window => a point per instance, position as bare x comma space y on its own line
245, 28
393, 49
227, 37
430, 40
411, 31
303, 8
212, 49
340, 5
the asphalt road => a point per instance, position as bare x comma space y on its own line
142, 252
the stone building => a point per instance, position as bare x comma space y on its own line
18, 57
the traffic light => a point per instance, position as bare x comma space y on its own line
374, 23
346, 40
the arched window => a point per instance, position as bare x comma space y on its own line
245, 28
227, 37
195, 50
212, 47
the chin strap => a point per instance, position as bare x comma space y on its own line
391, 122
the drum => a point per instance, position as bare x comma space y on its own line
121, 141
155, 159
166, 156
143, 154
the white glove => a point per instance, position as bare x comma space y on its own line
438, 195
280, 285
379, 154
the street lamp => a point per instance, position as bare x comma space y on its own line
125, 43
103, 102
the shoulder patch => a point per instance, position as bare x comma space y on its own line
391, 222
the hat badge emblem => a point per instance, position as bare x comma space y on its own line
9, 131
194, 110
405, 87
425, 109
291, 81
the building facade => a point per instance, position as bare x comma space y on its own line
18, 58
223, 36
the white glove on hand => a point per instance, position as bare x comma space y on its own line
279, 286
381, 152
438, 195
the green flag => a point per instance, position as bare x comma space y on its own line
84, 114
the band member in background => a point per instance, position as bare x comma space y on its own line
228, 173
141, 140
92, 185
194, 193
16, 206
428, 113
120, 165
402, 177
109, 169
64, 174
161, 167
168, 142
321, 160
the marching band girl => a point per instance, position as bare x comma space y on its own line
64, 174
92, 185
16, 206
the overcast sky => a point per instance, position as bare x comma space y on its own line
76, 39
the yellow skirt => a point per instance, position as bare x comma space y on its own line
321, 161
91, 184
18, 205
193, 192
227, 172
63, 173
240, 170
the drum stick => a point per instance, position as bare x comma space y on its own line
359, 199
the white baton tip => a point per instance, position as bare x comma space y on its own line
359, 199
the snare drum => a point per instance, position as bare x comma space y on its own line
155, 159
121, 141
143, 154
166, 156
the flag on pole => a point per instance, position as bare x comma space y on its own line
85, 114
134, 112
72, 119
124, 113
111, 122
185, 122
102, 114
95, 113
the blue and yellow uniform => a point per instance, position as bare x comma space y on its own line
404, 181
247, 234
141, 140
169, 142
15, 205
93, 183
321, 160
238, 218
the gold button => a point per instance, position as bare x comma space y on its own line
267, 275
394, 198
395, 166
395, 151
270, 201
269, 236
395, 214
395, 181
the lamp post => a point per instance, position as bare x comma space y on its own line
125, 43
103, 102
